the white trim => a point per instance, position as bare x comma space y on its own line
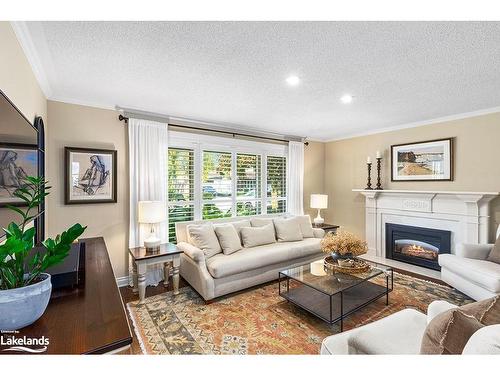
83, 103
459, 116
449, 192
122, 281
25, 40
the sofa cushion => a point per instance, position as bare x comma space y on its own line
305, 226
260, 221
479, 272
449, 332
288, 230
306, 247
241, 224
495, 252
258, 236
385, 336
203, 237
486, 312
249, 259
484, 341
228, 238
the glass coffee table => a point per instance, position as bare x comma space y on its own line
332, 296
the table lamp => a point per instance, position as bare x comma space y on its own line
152, 213
319, 201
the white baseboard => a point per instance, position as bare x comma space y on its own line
122, 281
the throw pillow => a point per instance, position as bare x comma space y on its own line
288, 230
204, 238
228, 238
241, 224
458, 332
306, 226
257, 236
495, 252
486, 312
260, 222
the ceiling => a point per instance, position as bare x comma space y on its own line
234, 72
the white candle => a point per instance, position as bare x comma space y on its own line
378, 155
368, 160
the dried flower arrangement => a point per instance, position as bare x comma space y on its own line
343, 243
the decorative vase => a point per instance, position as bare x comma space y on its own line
336, 255
21, 307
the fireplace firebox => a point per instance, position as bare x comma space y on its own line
416, 245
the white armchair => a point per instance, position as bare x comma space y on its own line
402, 333
469, 271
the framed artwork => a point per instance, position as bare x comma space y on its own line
423, 161
17, 161
90, 176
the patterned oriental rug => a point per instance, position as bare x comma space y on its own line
259, 321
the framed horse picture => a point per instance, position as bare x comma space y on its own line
90, 176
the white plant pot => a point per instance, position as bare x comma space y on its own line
21, 307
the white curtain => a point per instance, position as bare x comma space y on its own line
296, 178
148, 153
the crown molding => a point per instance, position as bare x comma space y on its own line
24, 38
83, 103
437, 120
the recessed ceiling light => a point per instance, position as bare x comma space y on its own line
293, 80
346, 99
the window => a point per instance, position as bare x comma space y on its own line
212, 177
180, 188
276, 184
248, 184
217, 185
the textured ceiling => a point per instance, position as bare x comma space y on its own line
234, 72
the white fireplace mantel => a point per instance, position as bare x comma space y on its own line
464, 213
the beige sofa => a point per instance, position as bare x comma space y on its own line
470, 271
402, 333
222, 274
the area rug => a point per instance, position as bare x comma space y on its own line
259, 321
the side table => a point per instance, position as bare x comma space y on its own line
166, 253
327, 227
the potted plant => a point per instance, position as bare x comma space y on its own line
24, 287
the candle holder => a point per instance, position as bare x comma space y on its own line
369, 182
379, 185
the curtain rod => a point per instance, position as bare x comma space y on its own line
121, 117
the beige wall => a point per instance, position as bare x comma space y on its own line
79, 126
477, 165
17, 80
314, 168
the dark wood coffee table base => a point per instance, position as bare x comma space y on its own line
335, 307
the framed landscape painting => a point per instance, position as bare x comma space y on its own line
90, 176
423, 161
17, 161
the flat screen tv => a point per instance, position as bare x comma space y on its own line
22, 153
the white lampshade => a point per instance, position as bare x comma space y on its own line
319, 201
150, 212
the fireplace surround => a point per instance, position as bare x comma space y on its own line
416, 245
466, 214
